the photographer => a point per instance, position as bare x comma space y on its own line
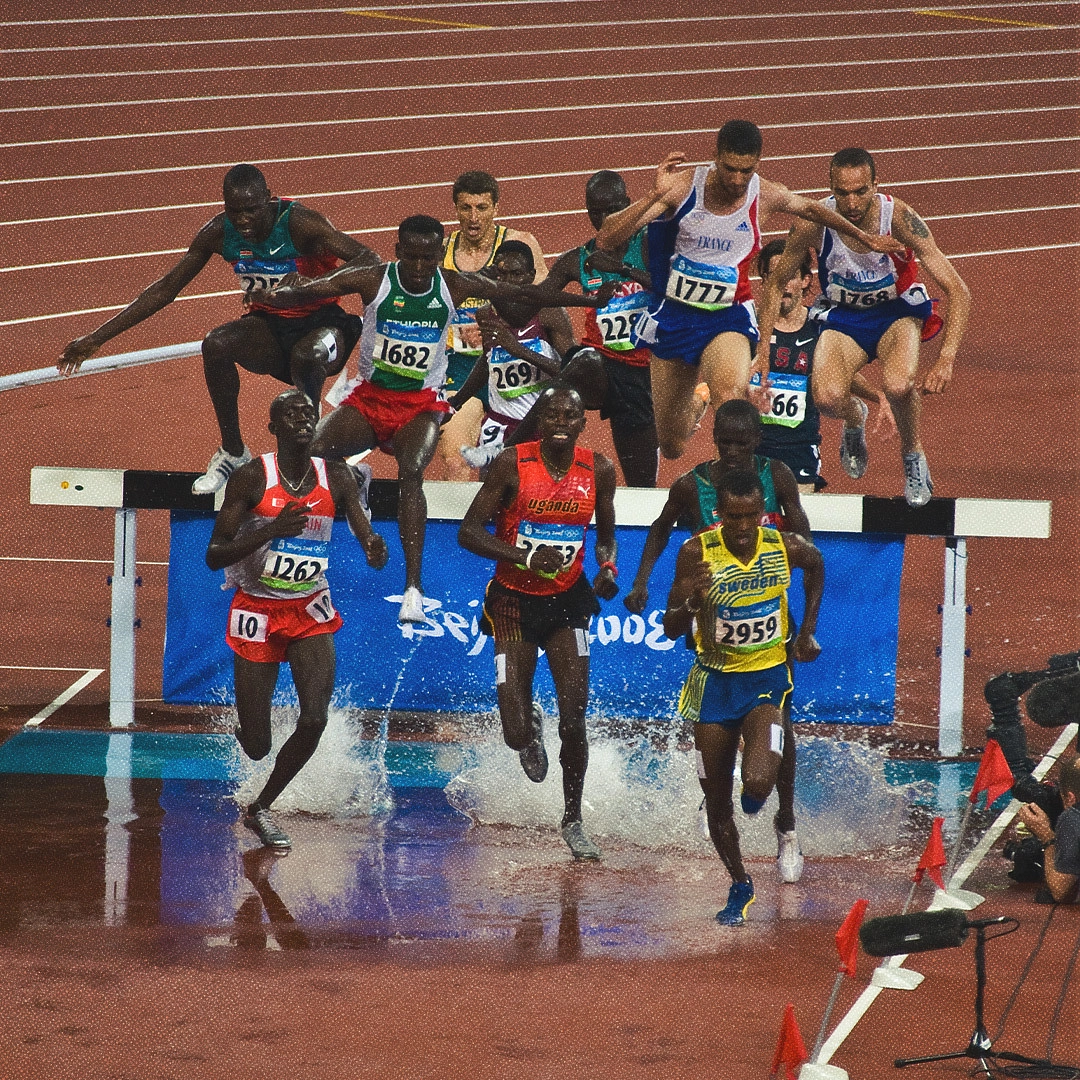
1061, 844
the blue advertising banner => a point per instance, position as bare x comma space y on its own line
448, 666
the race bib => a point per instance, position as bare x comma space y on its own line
788, 398
464, 330
405, 350
747, 629
492, 433
619, 318
860, 294
569, 539
293, 563
320, 608
510, 377
262, 273
699, 285
248, 625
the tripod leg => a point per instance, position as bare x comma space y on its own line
901, 1063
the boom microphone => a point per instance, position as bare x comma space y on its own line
922, 931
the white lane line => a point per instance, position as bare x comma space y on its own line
528, 217
64, 697
858, 1010
46, 558
822, 155
423, 87
284, 12
206, 296
560, 139
543, 109
40, 667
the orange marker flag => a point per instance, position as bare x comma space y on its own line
790, 1048
933, 857
847, 937
994, 775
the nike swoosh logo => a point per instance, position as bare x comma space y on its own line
274, 251
806, 342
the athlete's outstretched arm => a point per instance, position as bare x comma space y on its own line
565, 270
463, 285
787, 494
346, 497
493, 331
153, 298
672, 185
347, 279
909, 227
477, 377
679, 500
610, 263
312, 232
693, 580
604, 583
806, 557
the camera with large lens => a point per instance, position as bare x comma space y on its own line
1026, 853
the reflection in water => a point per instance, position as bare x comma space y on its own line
250, 928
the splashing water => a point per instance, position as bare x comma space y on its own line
646, 792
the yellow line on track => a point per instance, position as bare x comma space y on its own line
985, 18
408, 18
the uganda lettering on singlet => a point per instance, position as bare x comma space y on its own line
549, 512
708, 506
610, 328
744, 624
514, 384
464, 331
793, 418
263, 265
403, 346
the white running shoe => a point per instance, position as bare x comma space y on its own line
222, 466
918, 487
362, 473
412, 606
789, 856
853, 452
479, 457
266, 828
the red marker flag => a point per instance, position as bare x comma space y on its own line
933, 856
790, 1049
994, 775
847, 937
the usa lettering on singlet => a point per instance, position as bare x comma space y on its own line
610, 328
710, 267
287, 566
464, 331
547, 512
403, 345
861, 280
514, 384
263, 265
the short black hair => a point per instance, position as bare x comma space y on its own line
854, 157
476, 182
515, 247
1069, 777
558, 388
739, 137
243, 178
283, 399
774, 248
737, 412
605, 180
740, 483
420, 225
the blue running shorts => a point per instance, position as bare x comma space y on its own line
674, 331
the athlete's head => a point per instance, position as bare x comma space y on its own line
736, 434
247, 202
853, 180
738, 152
1069, 782
560, 417
418, 251
740, 499
476, 198
514, 262
794, 289
293, 417
605, 193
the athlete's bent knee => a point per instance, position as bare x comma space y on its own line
255, 747
219, 345
897, 387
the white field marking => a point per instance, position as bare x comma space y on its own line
530, 142
858, 1010
533, 176
205, 296
511, 3
65, 696
39, 667
527, 217
45, 558
422, 87
398, 117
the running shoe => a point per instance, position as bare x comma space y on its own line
480, 457
412, 606
263, 825
703, 400
853, 453
579, 843
789, 857
222, 466
534, 759
739, 898
918, 487
362, 473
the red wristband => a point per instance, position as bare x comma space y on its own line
610, 566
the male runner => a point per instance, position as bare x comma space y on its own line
694, 497
396, 404
703, 235
272, 538
472, 248
872, 306
730, 587
627, 392
542, 495
264, 239
791, 430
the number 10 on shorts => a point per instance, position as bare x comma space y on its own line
248, 625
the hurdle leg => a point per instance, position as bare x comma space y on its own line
122, 639
953, 633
